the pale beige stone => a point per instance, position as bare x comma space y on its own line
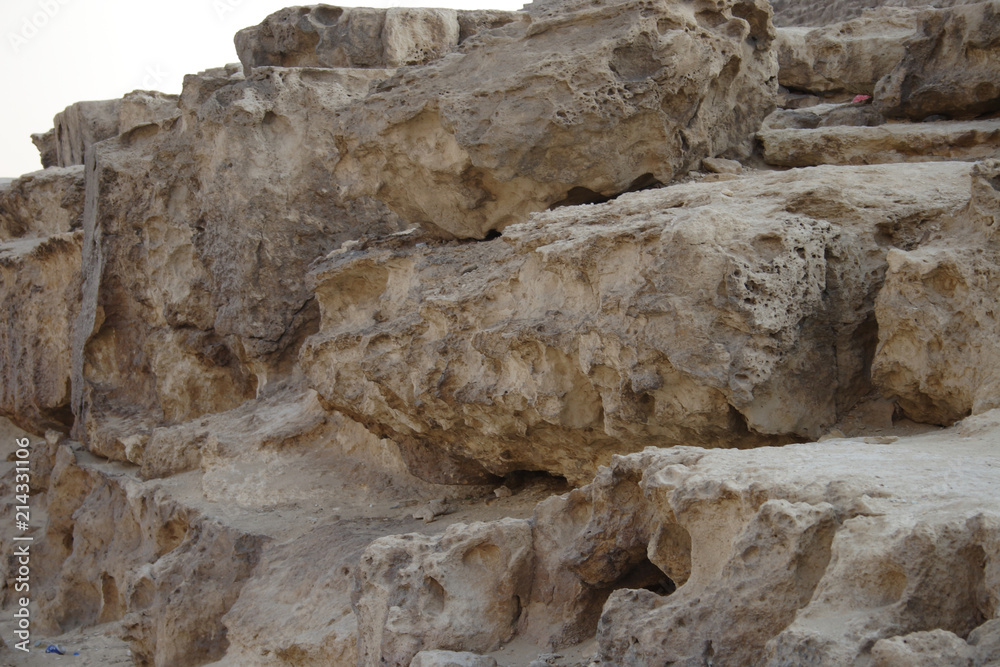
451, 659
463, 590
42, 203
40, 296
848, 57
894, 142
938, 314
951, 66
693, 314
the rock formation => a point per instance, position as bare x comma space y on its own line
439, 338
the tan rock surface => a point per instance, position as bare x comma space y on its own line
824, 12
327, 36
848, 57
938, 325
228, 204
590, 102
40, 296
824, 115
893, 142
42, 203
951, 66
680, 315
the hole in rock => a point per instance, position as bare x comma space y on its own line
580, 195
519, 480
649, 577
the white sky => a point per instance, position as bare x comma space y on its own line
56, 52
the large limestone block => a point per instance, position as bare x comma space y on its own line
951, 66
327, 36
42, 203
708, 314
892, 142
939, 328
198, 231
580, 103
806, 554
848, 57
40, 293
463, 590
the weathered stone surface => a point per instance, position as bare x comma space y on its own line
824, 12
951, 66
463, 590
40, 293
540, 351
196, 234
848, 57
128, 551
42, 203
939, 326
590, 101
940, 647
45, 142
327, 36
451, 659
894, 142
824, 115
801, 555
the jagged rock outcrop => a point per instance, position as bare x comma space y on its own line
40, 293
228, 205
327, 36
848, 57
938, 354
803, 554
463, 590
590, 101
892, 142
951, 67
822, 12
42, 203
940, 647
542, 351
84, 124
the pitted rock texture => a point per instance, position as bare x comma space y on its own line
40, 293
848, 57
327, 36
590, 101
892, 142
938, 353
228, 205
81, 125
463, 590
699, 314
951, 67
822, 12
42, 203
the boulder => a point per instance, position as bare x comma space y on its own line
40, 293
691, 314
951, 67
462, 590
939, 328
848, 57
590, 101
196, 234
824, 115
893, 142
42, 203
327, 36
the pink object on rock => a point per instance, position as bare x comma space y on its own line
861, 98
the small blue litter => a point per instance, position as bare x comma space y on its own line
76, 653
55, 648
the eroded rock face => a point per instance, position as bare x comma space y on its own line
937, 314
821, 12
228, 206
893, 142
463, 590
681, 315
848, 57
42, 203
590, 101
951, 66
327, 36
40, 293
